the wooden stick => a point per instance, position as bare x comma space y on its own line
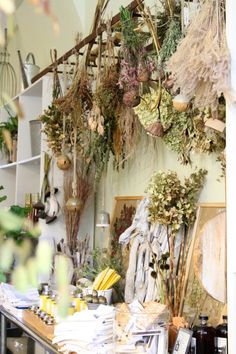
188, 263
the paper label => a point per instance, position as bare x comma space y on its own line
221, 344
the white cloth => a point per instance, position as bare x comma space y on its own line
89, 331
10, 295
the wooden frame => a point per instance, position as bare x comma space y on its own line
194, 289
122, 204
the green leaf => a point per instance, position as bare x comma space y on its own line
6, 255
20, 278
44, 257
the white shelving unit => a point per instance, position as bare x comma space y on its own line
26, 174
23, 176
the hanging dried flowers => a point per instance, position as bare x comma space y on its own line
52, 120
200, 66
171, 40
183, 132
83, 190
136, 66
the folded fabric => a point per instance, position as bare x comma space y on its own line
89, 331
18, 299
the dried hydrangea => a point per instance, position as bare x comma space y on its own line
173, 203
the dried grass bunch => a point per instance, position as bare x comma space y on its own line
200, 66
84, 188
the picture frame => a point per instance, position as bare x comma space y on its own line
122, 216
204, 291
183, 341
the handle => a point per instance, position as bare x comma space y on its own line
24, 78
5, 39
27, 60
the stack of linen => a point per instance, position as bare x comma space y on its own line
12, 297
88, 331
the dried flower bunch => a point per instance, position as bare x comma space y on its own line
183, 132
136, 65
200, 66
173, 203
52, 120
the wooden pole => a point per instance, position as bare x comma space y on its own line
89, 39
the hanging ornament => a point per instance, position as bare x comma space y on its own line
181, 103
63, 162
73, 203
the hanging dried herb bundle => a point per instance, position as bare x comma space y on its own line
84, 188
79, 96
174, 204
137, 65
171, 40
52, 120
200, 66
126, 136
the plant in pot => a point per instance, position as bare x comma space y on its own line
8, 137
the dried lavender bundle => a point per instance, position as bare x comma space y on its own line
200, 66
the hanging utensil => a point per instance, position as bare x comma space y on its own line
8, 82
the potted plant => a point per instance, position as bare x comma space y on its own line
8, 137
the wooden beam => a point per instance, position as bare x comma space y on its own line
89, 39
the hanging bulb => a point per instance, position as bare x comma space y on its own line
73, 204
103, 219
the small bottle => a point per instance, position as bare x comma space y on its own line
53, 305
71, 309
43, 298
76, 301
204, 336
221, 337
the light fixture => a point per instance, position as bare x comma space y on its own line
103, 219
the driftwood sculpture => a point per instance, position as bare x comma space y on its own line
145, 240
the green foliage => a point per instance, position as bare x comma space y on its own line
101, 259
174, 203
171, 40
22, 227
131, 38
52, 118
11, 125
4, 197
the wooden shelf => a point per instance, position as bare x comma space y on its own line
8, 165
31, 160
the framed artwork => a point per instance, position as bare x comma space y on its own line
122, 217
183, 341
205, 282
